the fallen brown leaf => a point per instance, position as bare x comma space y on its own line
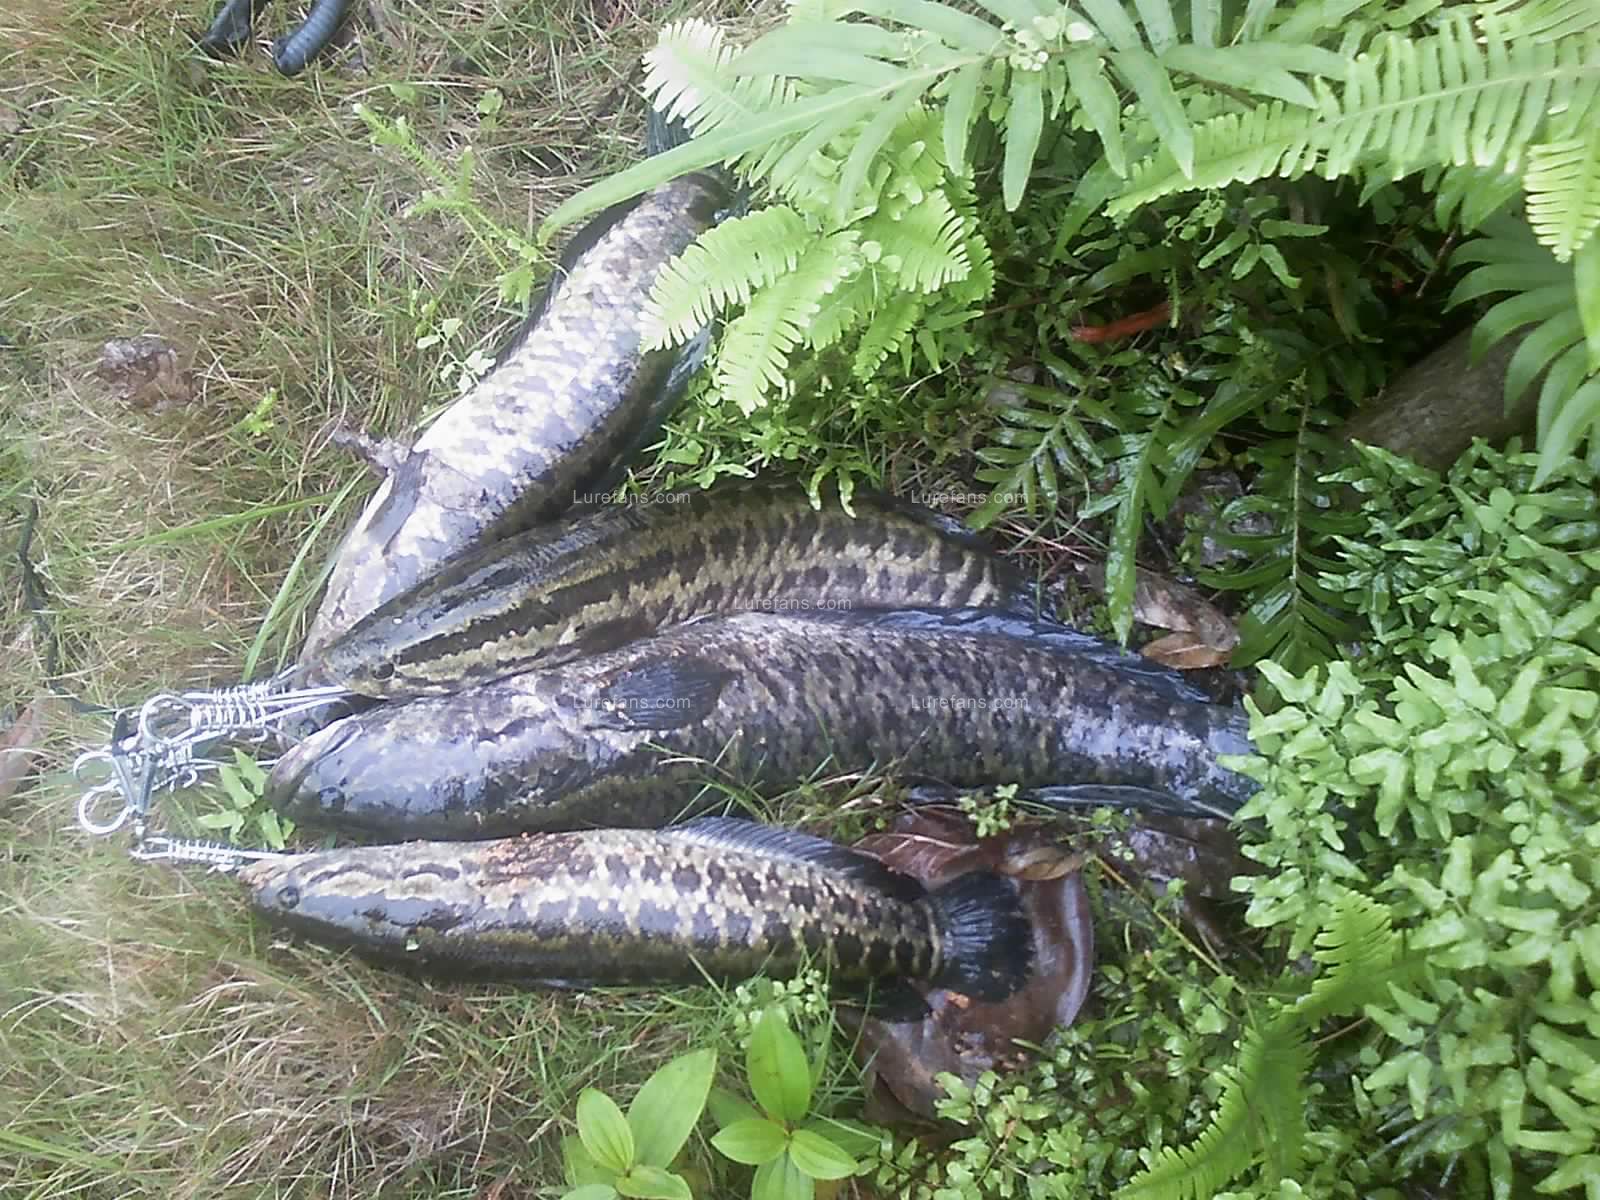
960, 1035
1185, 652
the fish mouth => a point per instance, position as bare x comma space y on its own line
287, 786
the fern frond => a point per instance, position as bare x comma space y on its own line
887, 331
1357, 949
1462, 96
1261, 1111
721, 268
1272, 139
1563, 183
1469, 196
688, 76
756, 346
1542, 20
925, 246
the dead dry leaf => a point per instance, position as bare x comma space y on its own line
1185, 652
963, 1036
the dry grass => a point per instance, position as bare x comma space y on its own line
153, 1040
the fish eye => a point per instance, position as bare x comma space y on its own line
289, 896
384, 670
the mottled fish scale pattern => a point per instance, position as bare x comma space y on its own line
964, 697
562, 403
591, 582
611, 906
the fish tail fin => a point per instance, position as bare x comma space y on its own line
987, 938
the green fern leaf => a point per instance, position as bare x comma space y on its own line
869, 144
1160, 26
1563, 183
1262, 1100
960, 109
849, 306
887, 332
721, 268
1024, 126
1358, 950
1474, 194
756, 346
1113, 22
846, 52
962, 30
1272, 139
925, 245
1034, 445
1150, 83
1100, 103
1542, 20
1249, 68
1460, 97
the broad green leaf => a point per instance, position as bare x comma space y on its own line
592, 1191
1576, 417
752, 1142
820, 1158
241, 796
726, 1108
1239, 67
868, 144
960, 104
1204, 17
1538, 349
1113, 21
1148, 79
1160, 27
604, 1131
780, 1077
664, 1112
653, 1183
853, 1137
1100, 103
1586, 278
1024, 125
780, 1179
960, 29
580, 1165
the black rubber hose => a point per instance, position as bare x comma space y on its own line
293, 51
231, 28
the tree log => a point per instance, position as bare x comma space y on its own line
1433, 409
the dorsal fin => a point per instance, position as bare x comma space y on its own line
768, 841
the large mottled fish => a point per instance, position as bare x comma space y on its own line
717, 898
591, 582
964, 697
566, 401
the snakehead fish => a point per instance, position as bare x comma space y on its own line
717, 897
566, 399
591, 582
963, 696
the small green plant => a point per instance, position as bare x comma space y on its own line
616, 1155
790, 1149
990, 812
247, 817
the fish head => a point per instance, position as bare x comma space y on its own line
480, 762
375, 896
